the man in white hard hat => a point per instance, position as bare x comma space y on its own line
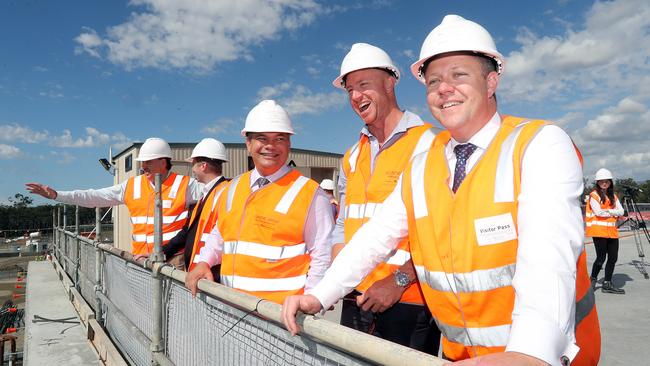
390, 294
327, 185
493, 194
178, 192
207, 161
272, 222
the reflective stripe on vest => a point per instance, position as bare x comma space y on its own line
165, 219
496, 336
362, 210
479, 280
150, 238
585, 305
291, 194
231, 192
264, 284
259, 250
137, 187
175, 186
504, 190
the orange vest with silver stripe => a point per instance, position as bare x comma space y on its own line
365, 192
207, 220
139, 197
264, 251
456, 270
600, 227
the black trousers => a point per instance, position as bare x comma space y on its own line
407, 324
605, 248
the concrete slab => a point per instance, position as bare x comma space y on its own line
53, 343
624, 319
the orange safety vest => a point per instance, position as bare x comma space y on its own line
139, 198
451, 244
365, 192
264, 251
600, 227
207, 220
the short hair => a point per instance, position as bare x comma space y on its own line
215, 164
168, 163
388, 71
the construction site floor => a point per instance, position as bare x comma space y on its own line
53, 342
624, 319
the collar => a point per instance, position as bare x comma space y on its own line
209, 185
407, 121
484, 136
272, 178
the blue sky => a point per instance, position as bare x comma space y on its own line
79, 76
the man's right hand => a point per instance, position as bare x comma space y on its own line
307, 304
41, 190
200, 272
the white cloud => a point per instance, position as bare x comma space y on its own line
607, 54
93, 137
298, 99
9, 151
220, 126
195, 35
62, 157
615, 139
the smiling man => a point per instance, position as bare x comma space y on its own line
272, 222
178, 193
493, 217
389, 302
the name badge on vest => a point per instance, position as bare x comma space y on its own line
495, 229
167, 204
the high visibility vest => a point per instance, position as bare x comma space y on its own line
207, 220
139, 198
600, 227
365, 192
455, 259
264, 251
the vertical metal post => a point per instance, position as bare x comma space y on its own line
54, 232
98, 265
77, 249
157, 256
65, 217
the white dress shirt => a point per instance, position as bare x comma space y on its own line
114, 195
408, 120
550, 233
318, 225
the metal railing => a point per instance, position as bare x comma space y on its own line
153, 319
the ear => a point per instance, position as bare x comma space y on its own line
248, 145
492, 83
389, 84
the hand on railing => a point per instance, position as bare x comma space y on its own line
200, 272
307, 304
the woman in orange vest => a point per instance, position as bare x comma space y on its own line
603, 208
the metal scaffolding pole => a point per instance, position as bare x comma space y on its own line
99, 287
157, 341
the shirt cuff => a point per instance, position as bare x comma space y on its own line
541, 339
208, 257
326, 297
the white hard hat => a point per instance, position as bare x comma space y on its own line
209, 148
267, 116
456, 33
365, 56
327, 184
603, 174
154, 148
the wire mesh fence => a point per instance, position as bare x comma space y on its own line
206, 330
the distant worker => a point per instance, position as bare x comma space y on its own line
178, 194
327, 185
207, 161
272, 222
389, 302
493, 217
603, 208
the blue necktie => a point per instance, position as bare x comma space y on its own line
261, 182
463, 152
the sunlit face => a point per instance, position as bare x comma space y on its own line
604, 184
198, 169
368, 93
459, 92
269, 150
152, 167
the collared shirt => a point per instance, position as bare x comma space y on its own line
317, 228
209, 185
550, 233
114, 195
408, 120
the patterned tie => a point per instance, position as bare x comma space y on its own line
463, 152
261, 182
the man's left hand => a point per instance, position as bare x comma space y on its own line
499, 359
381, 295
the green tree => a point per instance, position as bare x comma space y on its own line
20, 200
